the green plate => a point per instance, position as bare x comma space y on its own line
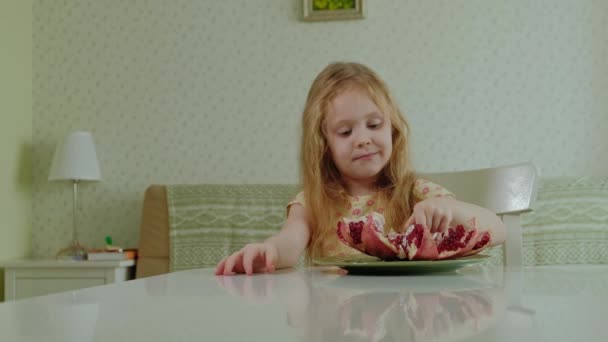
371, 265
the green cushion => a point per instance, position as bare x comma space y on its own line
208, 222
569, 224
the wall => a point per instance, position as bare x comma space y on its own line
212, 91
15, 130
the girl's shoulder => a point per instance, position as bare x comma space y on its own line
424, 189
298, 199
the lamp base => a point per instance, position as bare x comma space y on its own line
75, 251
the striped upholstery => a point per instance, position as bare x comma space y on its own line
207, 222
569, 224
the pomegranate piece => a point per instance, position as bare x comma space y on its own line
455, 241
420, 244
482, 242
365, 235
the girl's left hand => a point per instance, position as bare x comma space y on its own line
433, 213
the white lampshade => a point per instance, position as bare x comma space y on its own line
76, 158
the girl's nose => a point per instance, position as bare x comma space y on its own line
362, 142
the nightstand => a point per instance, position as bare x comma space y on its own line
30, 278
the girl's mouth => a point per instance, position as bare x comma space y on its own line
366, 156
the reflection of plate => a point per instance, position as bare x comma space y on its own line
371, 265
430, 283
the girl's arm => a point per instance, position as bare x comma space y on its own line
293, 237
280, 251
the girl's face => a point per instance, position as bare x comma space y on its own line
359, 136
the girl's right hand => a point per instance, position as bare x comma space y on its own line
253, 258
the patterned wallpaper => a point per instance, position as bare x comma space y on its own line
212, 91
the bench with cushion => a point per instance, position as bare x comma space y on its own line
192, 226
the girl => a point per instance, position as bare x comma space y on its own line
354, 160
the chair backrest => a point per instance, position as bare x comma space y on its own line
508, 191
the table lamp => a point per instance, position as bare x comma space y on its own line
76, 160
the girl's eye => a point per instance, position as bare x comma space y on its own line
374, 125
344, 133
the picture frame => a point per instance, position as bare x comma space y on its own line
324, 10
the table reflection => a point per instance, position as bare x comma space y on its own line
333, 306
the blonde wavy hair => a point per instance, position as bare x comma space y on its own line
320, 179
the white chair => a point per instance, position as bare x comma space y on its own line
506, 190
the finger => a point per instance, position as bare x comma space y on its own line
231, 262
248, 256
448, 221
420, 217
443, 224
429, 218
271, 258
219, 269
438, 216
472, 223
439, 222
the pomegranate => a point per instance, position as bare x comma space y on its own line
366, 234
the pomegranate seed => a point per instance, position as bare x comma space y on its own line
453, 240
415, 237
398, 240
355, 231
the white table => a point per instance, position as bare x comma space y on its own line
564, 303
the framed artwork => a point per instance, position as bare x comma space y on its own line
321, 10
